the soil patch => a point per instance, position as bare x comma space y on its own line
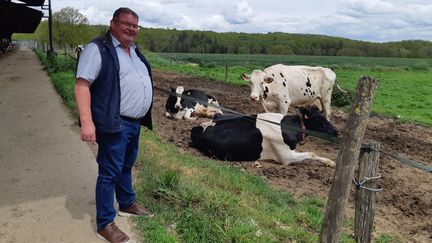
404, 207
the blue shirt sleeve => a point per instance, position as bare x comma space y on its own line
89, 63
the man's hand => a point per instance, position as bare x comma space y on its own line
88, 132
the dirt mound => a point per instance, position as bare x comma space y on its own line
404, 207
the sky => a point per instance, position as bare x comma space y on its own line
366, 20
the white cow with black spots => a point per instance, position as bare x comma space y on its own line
279, 86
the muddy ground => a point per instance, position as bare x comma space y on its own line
404, 207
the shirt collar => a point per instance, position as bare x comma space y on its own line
117, 43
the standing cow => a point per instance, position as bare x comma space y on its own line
192, 106
267, 136
279, 86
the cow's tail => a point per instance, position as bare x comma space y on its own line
339, 88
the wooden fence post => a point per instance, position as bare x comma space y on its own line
347, 159
226, 72
365, 193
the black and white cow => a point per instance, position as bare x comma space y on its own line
244, 138
78, 50
190, 109
279, 86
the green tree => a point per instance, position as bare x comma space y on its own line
41, 33
70, 27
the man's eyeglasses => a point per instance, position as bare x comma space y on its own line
127, 25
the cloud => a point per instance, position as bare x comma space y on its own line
372, 20
216, 23
240, 13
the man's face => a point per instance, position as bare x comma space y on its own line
124, 28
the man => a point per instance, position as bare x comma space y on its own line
114, 95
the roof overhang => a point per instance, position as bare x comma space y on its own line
33, 2
18, 18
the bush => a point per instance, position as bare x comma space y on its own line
56, 63
421, 66
340, 98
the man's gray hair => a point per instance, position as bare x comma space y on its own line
124, 10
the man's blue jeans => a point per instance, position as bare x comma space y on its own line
117, 153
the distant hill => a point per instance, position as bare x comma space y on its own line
172, 40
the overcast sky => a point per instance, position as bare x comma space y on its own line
368, 20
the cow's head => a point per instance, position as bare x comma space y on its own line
173, 104
315, 121
257, 80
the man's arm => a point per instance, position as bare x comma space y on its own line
83, 100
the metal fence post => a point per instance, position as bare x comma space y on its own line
347, 159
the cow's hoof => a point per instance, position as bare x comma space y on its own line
330, 163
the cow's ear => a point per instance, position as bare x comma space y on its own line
268, 80
305, 112
314, 109
245, 76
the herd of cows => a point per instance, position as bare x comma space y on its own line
273, 135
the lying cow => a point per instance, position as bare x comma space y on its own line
190, 108
279, 86
266, 136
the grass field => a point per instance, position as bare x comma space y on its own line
330, 61
403, 92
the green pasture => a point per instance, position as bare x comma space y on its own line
405, 95
329, 61
403, 92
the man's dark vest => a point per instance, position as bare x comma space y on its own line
105, 90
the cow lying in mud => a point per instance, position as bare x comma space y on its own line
190, 108
244, 138
279, 86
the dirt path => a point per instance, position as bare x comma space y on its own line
404, 208
47, 174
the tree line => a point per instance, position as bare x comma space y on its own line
72, 28
188, 41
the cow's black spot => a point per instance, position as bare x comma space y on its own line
281, 75
286, 102
284, 84
304, 94
313, 93
265, 92
308, 83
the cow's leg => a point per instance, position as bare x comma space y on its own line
326, 102
188, 115
180, 114
211, 111
293, 156
284, 102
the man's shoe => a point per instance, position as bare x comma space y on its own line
135, 210
111, 233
